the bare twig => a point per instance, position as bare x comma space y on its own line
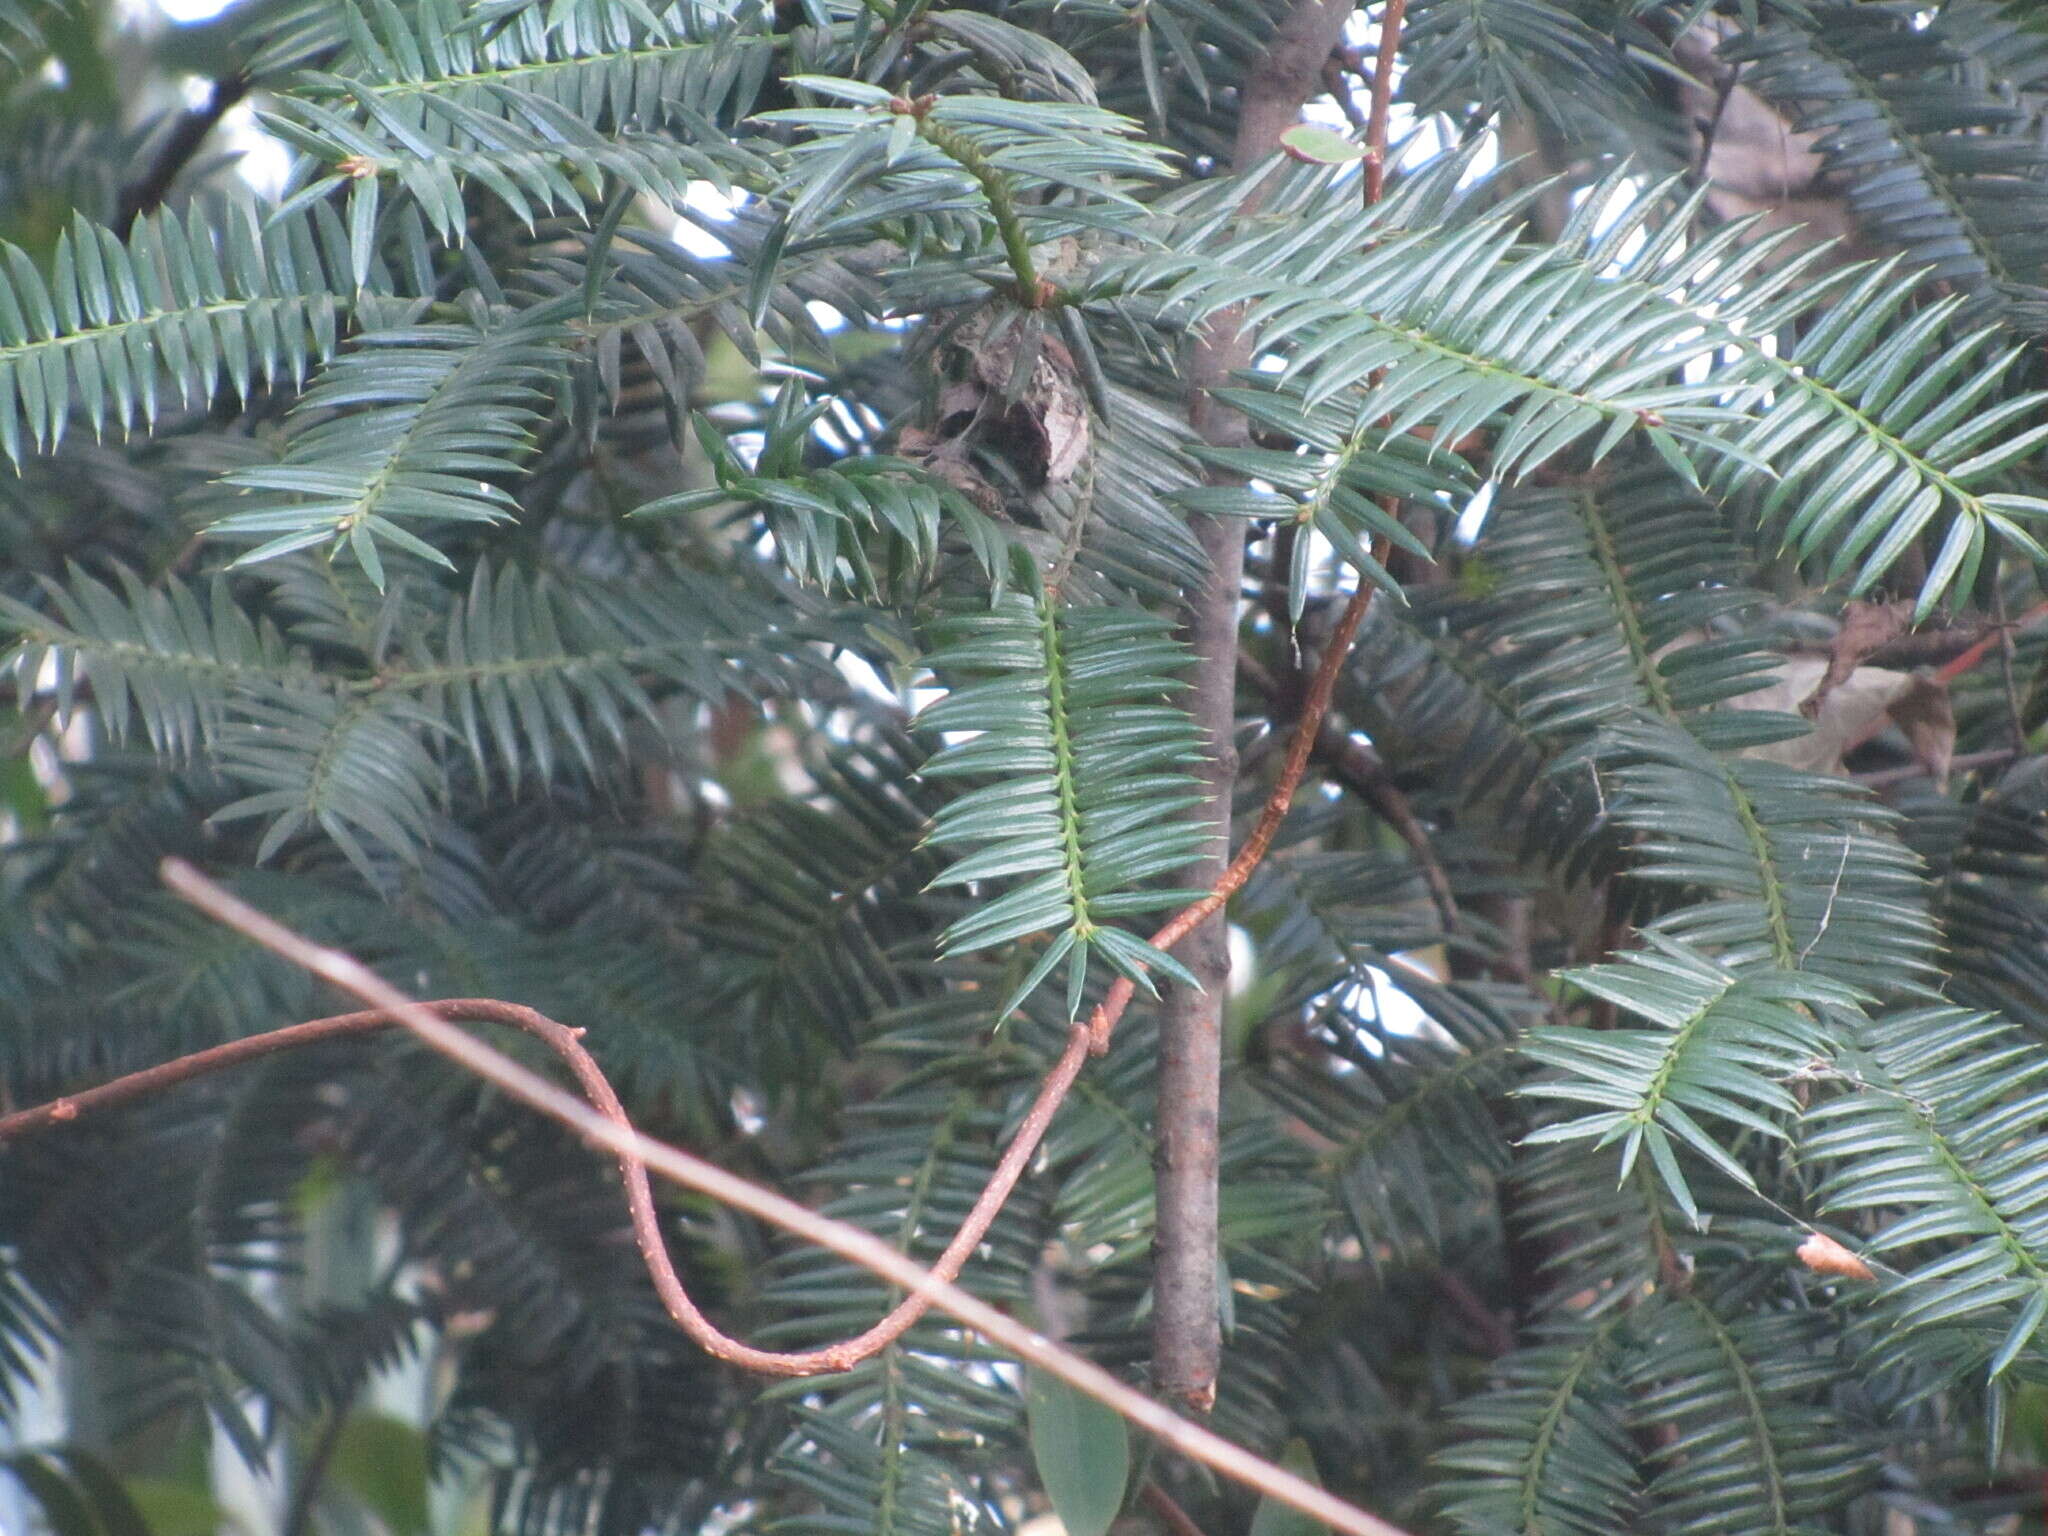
564, 1042
1358, 768
1724, 91
1337, 70
1103, 1021
603, 1123
1492, 1334
1382, 99
178, 148
1954, 668
1882, 778
2015, 715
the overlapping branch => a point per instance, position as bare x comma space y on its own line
603, 1122
1093, 1036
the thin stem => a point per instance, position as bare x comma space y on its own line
1103, 1021
603, 1123
1884, 778
1186, 1311
1382, 100
306, 1496
1033, 292
1167, 1508
2015, 715
564, 1042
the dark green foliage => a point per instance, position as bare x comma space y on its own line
680, 515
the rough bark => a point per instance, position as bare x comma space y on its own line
1186, 1332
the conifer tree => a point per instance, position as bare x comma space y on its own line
1345, 701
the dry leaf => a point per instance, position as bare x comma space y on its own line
947, 459
1045, 422
1927, 714
1865, 627
1013, 389
1824, 1256
1856, 709
1755, 161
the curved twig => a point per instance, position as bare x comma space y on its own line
604, 1124
1092, 1037
566, 1043
1103, 1021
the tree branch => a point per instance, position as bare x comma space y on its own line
1167, 1508
603, 1123
1186, 1324
177, 150
1358, 768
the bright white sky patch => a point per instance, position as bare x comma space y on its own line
185, 12
706, 202
1473, 518
1399, 1014
265, 162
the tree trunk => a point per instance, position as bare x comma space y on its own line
1186, 1331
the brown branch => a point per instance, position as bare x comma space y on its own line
1186, 1324
1489, 1330
1103, 1021
179, 147
603, 1123
1316, 703
1358, 768
1954, 668
1337, 69
1883, 778
564, 1042
1382, 100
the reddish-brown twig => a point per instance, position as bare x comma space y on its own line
1103, 1021
1167, 1508
1954, 668
603, 1123
1382, 100
566, 1044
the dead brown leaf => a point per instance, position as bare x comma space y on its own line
1865, 627
1864, 703
1824, 1256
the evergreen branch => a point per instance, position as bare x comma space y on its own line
113, 314
1723, 1045
603, 1121
1088, 778
400, 428
1033, 291
1259, 841
1550, 1445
